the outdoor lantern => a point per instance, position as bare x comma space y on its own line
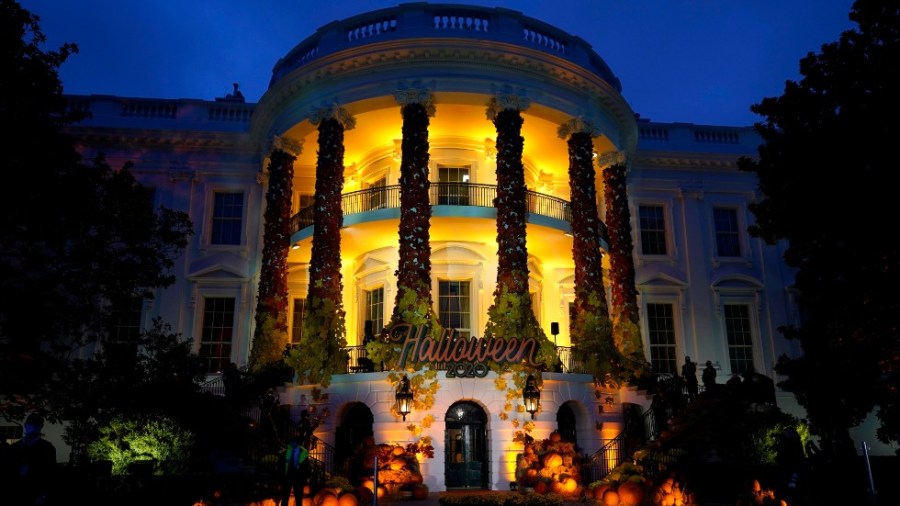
404, 397
531, 395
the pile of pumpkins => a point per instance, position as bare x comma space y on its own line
550, 466
635, 491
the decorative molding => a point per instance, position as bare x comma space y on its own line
331, 111
505, 99
577, 125
611, 158
417, 93
290, 146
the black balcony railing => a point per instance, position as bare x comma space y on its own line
440, 194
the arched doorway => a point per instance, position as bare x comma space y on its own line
356, 425
465, 441
565, 424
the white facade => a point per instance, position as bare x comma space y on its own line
193, 152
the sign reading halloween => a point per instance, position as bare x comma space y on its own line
460, 356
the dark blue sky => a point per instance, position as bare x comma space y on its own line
693, 61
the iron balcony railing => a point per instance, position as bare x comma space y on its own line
440, 194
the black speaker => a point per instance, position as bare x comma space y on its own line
554, 328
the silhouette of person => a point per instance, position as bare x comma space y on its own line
709, 376
231, 380
734, 385
32, 460
689, 373
295, 466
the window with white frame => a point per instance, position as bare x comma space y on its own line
125, 319
740, 337
454, 306
297, 317
728, 239
377, 194
227, 217
374, 309
453, 189
652, 226
216, 334
661, 337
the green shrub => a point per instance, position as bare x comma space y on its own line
159, 439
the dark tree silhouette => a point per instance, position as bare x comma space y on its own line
78, 236
826, 177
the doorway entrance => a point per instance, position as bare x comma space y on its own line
356, 426
465, 443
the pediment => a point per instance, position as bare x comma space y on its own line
219, 266
736, 282
661, 280
455, 252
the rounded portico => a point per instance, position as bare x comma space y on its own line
462, 57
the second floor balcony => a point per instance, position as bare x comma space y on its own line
446, 199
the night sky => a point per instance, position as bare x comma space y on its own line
693, 61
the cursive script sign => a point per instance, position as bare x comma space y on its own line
461, 356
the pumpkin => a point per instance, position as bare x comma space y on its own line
320, 496
368, 483
599, 491
364, 494
540, 487
398, 451
555, 437
306, 501
382, 492
420, 492
552, 460
329, 500
568, 487
610, 497
631, 493
348, 499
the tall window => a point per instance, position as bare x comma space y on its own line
740, 343
297, 320
125, 320
661, 327
228, 211
454, 307
216, 336
124, 329
454, 189
375, 309
728, 242
653, 230
377, 194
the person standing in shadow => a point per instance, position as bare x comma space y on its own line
689, 373
32, 461
709, 377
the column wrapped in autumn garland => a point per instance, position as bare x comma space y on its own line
271, 333
592, 329
320, 354
624, 308
511, 314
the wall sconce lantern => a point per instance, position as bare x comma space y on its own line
531, 395
404, 397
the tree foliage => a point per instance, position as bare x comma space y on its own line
825, 174
78, 236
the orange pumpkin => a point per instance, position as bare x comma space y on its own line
568, 487
330, 500
631, 493
398, 450
610, 497
348, 499
420, 492
364, 494
555, 437
540, 487
552, 460
598, 493
306, 501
